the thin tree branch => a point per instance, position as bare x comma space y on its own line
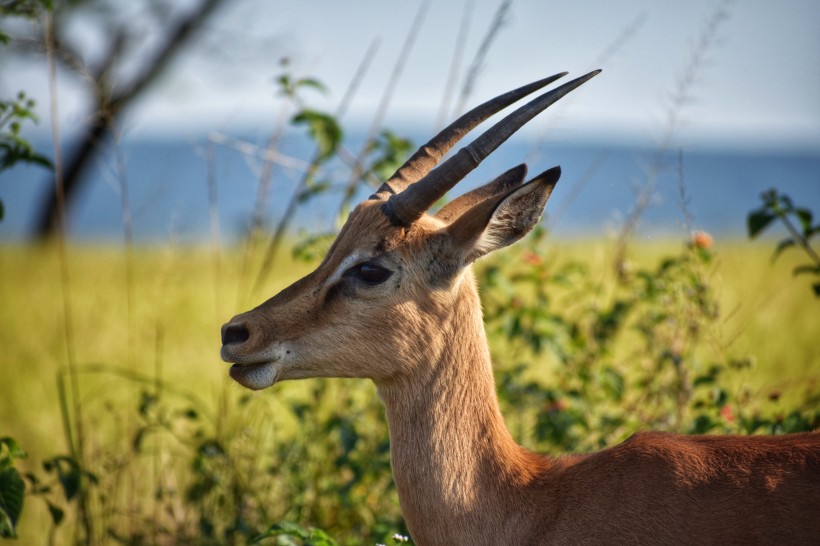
110, 104
181, 33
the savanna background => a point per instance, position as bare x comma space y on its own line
164, 165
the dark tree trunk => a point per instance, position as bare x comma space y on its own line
111, 103
76, 167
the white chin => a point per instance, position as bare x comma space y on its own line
254, 376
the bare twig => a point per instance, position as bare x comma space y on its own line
259, 152
683, 95
688, 216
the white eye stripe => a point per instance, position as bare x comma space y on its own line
346, 264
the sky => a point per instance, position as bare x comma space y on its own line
756, 83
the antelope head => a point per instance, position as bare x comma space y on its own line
395, 271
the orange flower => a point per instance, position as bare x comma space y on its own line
701, 239
531, 258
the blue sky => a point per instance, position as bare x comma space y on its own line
758, 83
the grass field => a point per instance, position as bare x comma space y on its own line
151, 325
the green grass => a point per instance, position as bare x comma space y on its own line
170, 331
173, 325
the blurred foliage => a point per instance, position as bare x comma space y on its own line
324, 130
30, 9
15, 112
387, 153
625, 353
13, 148
777, 206
293, 534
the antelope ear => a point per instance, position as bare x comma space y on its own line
501, 220
500, 185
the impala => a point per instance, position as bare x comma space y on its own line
395, 301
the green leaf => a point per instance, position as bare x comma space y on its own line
787, 203
757, 222
310, 82
769, 198
56, 512
702, 424
24, 8
12, 490
323, 128
703, 380
136, 443
147, 402
70, 481
10, 449
68, 473
805, 217
308, 536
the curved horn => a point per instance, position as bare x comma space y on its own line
427, 156
406, 207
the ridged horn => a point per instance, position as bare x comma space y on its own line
408, 206
428, 156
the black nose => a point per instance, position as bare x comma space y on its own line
235, 334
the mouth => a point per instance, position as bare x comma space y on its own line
254, 376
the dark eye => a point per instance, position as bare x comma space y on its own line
369, 273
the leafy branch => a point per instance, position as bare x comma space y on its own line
13, 148
797, 221
11, 487
14, 112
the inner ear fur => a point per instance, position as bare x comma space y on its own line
500, 220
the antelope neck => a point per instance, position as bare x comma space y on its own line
451, 452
